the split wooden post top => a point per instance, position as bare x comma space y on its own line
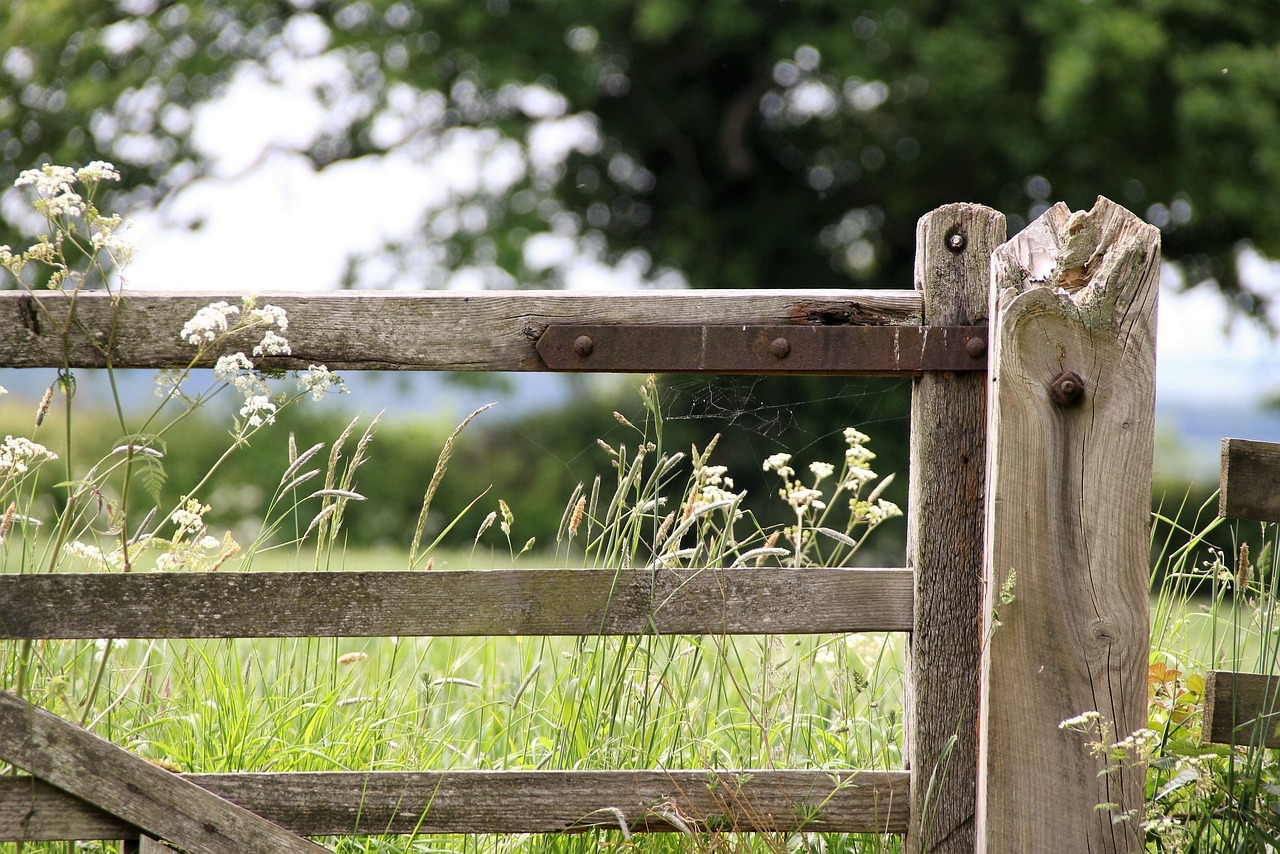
1072, 393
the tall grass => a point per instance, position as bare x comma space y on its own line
1211, 611
425, 703
831, 702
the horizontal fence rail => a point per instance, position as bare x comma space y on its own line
821, 331
335, 803
455, 603
1241, 708
1244, 708
1249, 480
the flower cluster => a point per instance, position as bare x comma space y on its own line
317, 379
94, 556
209, 324
218, 320
189, 517
712, 484
810, 503
18, 455
60, 202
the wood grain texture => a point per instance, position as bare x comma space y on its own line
1250, 480
459, 603
394, 330
1068, 499
944, 534
144, 795
320, 804
1241, 708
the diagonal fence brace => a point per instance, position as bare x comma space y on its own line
162, 804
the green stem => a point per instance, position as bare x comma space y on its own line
97, 682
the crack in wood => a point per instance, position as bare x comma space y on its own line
29, 315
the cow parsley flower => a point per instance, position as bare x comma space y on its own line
273, 344
318, 379
258, 410
18, 454
209, 324
189, 516
98, 170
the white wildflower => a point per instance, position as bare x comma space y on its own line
855, 437
17, 454
44, 252
229, 368
86, 551
259, 410
189, 516
209, 324
318, 379
120, 250
64, 204
856, 477
778, 463
169, 382
858, 454
270, 315
55, 196
98, 170
209, 543
12, 263
1080, 721
821, 471
49, 180
273, 344
800, 497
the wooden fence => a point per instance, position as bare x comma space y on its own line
1244, 708
1024, 590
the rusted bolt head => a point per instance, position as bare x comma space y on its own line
1067, 388
975, 347
781, 348
583, 345
956, 241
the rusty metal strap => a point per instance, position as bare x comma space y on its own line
738, 349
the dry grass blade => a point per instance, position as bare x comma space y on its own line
442, 465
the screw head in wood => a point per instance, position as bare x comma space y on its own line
780, 348
583, 345
1067, 388
956, 241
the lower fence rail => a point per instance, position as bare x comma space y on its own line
394, 802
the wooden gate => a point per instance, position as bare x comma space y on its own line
1023, 590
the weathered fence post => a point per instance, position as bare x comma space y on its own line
944, 533
1072, 389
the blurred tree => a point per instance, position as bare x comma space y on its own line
741, 144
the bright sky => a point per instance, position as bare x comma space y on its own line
267, 219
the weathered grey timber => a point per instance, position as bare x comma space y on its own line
1250, 480
382, 330
1241, 708
944, 534
319, 804
457, 603
131, 788
1072, 393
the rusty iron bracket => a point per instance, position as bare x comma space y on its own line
739, 349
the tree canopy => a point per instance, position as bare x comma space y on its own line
742, 144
